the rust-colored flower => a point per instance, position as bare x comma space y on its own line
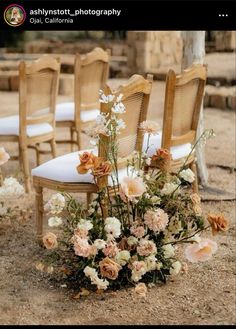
50, 240
102, 168
162, 159
109, 269
86, 162
218, 223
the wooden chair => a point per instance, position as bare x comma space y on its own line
35, 124
90, 75
183, 99
61, 173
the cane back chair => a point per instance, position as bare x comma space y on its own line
35, 124
61, 174
90, 75
183, 98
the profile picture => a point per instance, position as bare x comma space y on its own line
14, 15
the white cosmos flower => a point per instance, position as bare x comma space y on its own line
54, 221
187, 175
112, 227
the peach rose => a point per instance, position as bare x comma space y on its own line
201, 251
86, 162
132, 187
141, 290
102, 168
4, 156
109, 268
50, 240
218, 223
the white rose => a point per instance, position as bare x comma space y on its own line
132, 241
122, 257
151, 263
85, 224
175, 268
169, 250
54, 221
169, 188
187, 175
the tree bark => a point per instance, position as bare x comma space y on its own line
194, 52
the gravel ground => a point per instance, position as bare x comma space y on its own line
203, 295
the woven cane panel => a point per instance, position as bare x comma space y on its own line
185, 98
127, 138
39, 91
91, 81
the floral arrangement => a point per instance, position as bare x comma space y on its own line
130, 233
10, 190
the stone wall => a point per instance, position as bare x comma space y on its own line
150, 50
225, 40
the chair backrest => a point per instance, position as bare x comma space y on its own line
183, 99
38, 88
136, 93
91, 74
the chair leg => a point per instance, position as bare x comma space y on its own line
53, 147
193, 167
37, 154
89, 199
72, 139
78, 140
25, 162
39, 212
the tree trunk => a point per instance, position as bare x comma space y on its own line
194, 52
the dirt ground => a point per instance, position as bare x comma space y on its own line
203, 295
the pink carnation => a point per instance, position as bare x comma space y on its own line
110, 250
83, 248
156, 220
137, 231
146, 248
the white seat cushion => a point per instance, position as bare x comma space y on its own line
177, 152
63, 169
66, 112
10, 126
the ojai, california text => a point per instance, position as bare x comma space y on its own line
50, 20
